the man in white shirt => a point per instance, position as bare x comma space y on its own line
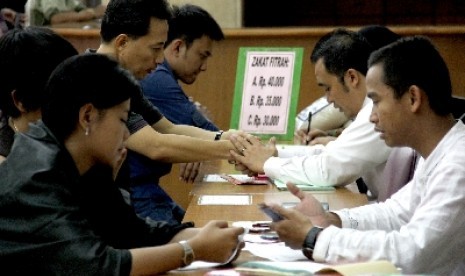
421, 227
340, 60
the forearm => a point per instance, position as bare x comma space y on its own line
190, 131
155, 260
177, 148
72, 16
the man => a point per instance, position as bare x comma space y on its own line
340, 66
420, 228
134, 33
191, 34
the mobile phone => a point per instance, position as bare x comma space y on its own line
269, 212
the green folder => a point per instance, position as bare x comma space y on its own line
282, 187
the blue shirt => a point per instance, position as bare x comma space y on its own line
162, 89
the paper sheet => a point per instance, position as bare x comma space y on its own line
225, 200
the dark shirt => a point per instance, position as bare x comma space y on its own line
55, 222
6, 139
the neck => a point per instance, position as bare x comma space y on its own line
19, 124
108, 50
432, 132
75, 144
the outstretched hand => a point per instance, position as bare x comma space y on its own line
252, 153
309, 206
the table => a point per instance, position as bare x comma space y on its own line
340, 198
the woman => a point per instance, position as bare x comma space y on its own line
68, 216
27, 58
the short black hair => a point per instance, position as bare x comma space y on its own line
27, 58
378, 36
83, 79
416, 61
342, 50
132, 17
190, 22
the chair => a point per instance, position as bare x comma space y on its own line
399, 170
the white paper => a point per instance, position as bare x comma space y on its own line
225, 200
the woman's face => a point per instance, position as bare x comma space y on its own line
109, 134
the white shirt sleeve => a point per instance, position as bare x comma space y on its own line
420, 228
357, 150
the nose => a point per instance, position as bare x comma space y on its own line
126, 134
203, 67
374, 116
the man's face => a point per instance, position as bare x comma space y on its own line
193, 60
142, 55
336, 93
390, 115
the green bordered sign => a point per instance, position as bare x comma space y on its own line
266, 91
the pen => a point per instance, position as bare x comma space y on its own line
309, 123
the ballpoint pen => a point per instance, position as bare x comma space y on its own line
309, 120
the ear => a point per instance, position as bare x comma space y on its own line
415, 98
352, 77
87, 114
121, 41
19, 105
178, 46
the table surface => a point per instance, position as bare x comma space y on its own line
201, 214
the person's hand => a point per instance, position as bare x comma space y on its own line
189, 171
293, 229
252, 153
309, 206
300, 135
313, 137
216, 242
227, 134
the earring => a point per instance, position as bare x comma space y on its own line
87, 131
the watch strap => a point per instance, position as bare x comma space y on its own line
188, 256
310, 241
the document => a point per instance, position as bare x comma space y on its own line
225, 200
307, 268
282, 187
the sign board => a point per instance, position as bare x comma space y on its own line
266, 91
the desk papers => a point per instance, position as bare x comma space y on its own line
225, 200
307, 268
282, 187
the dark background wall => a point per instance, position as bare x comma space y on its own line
274, 13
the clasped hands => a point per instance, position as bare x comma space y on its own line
250, 154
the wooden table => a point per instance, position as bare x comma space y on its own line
201, 214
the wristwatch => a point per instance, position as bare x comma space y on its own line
309, 242
188, 257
